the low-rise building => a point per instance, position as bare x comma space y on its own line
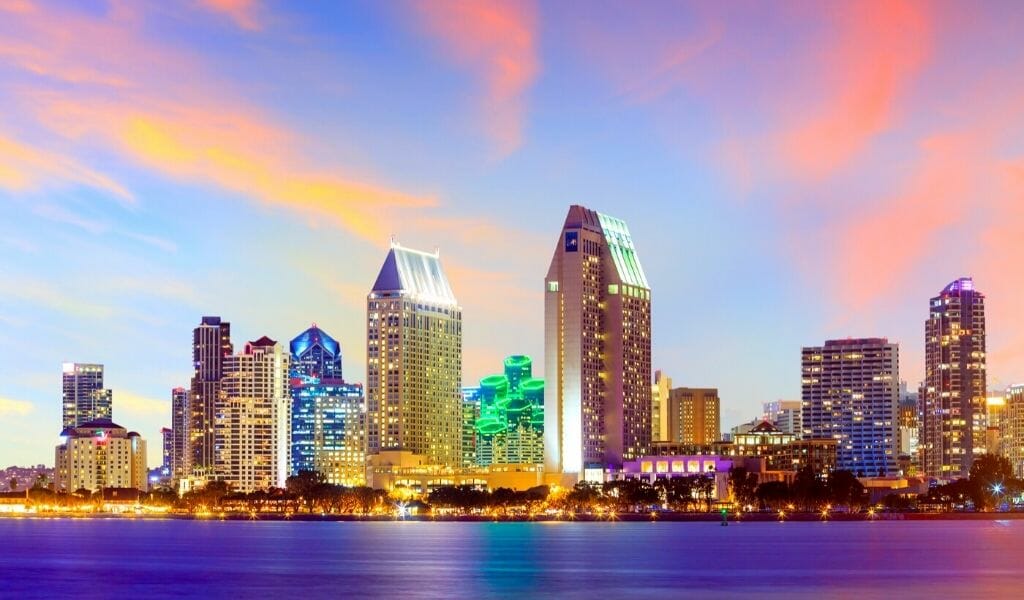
392, 469
100, 454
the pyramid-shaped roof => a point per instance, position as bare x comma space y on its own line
414, 273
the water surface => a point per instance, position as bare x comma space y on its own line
104, 558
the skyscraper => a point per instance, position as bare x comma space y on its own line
414, 359
84, 397
252, 431
328, 414
180, 417
597, 347
659, 407
1013, 429
851, 394
211, 345
694, 415
510, 429
953, 406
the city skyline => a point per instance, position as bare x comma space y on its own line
120, 228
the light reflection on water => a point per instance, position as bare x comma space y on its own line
106, 557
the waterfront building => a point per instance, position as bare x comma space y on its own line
401, 469
995, 412
510, 429
253, 418
850, 394
180, 421
328, 427
782, 452
167, 454
414, 360
713, 466
211, 346
660, 407
787, 415
694, 415
597, 348
470, 414
100, 454
908, 429
953, 406
84, 397
1013, 429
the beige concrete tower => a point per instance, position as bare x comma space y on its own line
414, 360
253, 422
597, 347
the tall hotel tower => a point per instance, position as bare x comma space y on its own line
211, 345
414, 360
597, 348
851, 394
953, 407
85, 398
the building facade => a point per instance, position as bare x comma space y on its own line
100, 454
84, 397
694, 415
660, 407
211, 347
953, 407
597, 348
414, 360
180, 421
510, 429
470, 415
850, 394
253, 419
787, 415
1013, 429
328, 415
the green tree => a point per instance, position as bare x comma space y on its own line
989, 477
704, 489
808, 491
743, 486
14, 484
845, 490
306, 486
774, 495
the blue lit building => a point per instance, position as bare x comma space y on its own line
328, 414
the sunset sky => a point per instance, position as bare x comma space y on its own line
790, 171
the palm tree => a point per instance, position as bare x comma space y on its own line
14, 484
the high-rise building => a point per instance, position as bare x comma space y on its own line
953, 406
995, 411
316, 354
414, 360
1013, 429
328, 415
908, 428
597, 348
167, 454
100, 454
470, 414
85, 399
850, 394
180, 417
211, 346
694, 415
253, 418
785, 415
659, 407
510, 429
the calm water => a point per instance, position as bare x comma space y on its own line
125, 559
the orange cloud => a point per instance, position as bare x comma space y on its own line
879, 49
161, 107
24, 168
245, 13
497, 41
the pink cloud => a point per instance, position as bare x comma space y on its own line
244, 13
497, 42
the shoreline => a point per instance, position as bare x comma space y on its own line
630, 517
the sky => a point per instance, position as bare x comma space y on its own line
791, 172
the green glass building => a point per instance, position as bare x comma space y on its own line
510, 428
